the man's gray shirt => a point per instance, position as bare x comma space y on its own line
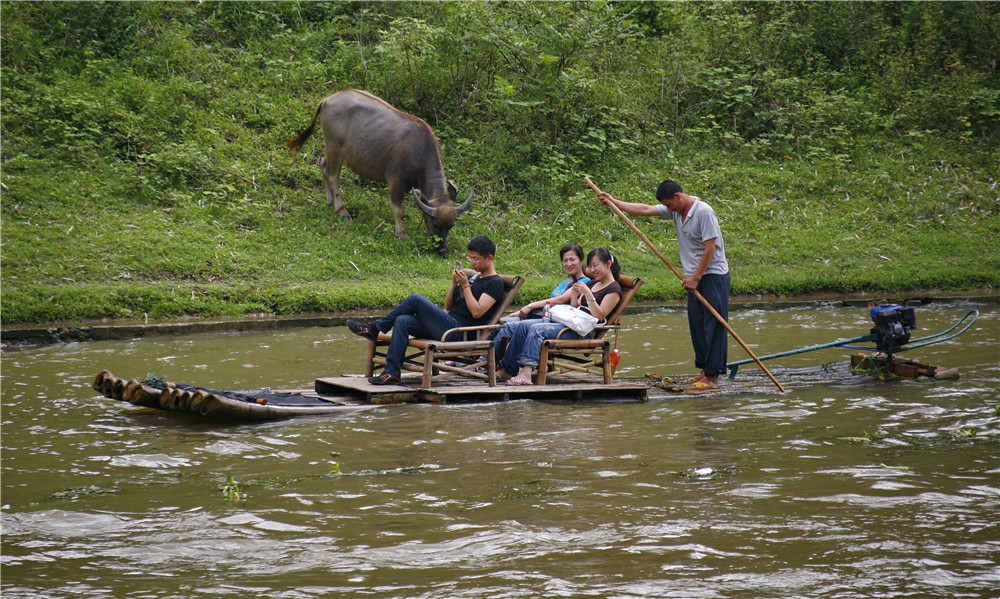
700, 225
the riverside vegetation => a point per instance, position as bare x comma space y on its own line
845, 146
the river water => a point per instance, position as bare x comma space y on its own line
845, 487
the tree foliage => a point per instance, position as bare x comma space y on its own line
563, 84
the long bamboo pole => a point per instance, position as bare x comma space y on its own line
698, 295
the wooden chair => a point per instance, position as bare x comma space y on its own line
438, 359
592, 355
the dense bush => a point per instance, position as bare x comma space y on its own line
569, 83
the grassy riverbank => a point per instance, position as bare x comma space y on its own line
144, 173
792, 226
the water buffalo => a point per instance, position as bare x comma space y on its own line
383, 144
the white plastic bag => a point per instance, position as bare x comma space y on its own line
575, 318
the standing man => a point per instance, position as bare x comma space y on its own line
703, 261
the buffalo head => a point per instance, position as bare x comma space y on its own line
441, 212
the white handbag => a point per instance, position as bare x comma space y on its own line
581, 322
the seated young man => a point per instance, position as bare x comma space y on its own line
471, 301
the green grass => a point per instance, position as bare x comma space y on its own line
791, 227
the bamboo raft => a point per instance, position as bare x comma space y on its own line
343, 394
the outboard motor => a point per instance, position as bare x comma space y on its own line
893, 324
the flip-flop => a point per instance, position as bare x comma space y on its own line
702, 386
693, 379
517, 380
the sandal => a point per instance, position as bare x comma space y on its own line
702, 386
517, 380
693, 379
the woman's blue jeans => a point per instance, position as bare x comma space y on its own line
526, 342
416, 316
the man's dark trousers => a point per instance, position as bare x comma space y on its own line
708, 335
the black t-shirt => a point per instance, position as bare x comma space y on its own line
492, 286
614, 287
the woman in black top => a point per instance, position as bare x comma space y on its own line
598, 297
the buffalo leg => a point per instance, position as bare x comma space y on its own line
397, 192
330, 166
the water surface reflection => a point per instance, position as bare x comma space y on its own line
845, 487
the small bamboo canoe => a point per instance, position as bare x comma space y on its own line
224, 405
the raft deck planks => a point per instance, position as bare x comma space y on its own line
470, 391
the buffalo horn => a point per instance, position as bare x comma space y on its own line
465, 205
426, 208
